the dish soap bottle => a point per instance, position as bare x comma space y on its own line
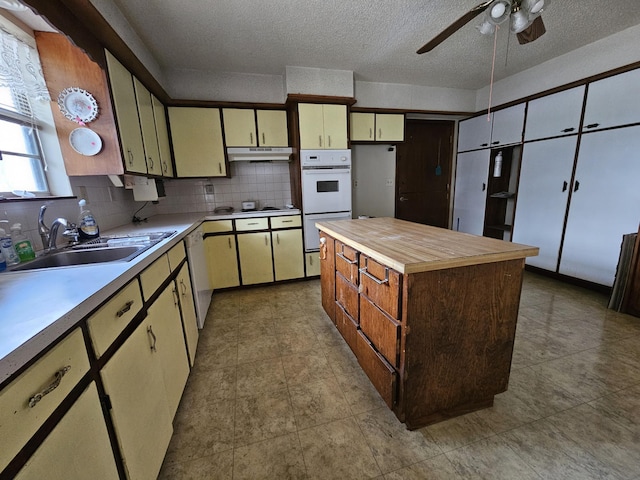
7, 249
87, 226
21, 243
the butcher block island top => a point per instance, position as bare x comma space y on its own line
429, 313
411, 247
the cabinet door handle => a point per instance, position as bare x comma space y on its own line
564, 186
379, 134
484, 187
278, 238
130, 155
229, 239
263, 139
33, 401
150, 163
220, 167
370, 132
320, 140
165, 168
266, 241
250, 137
364, 271
124, 309
153, 337
184, 287
329, 138
576, 186
495, 143
175, 296
310, 257
567, 130
484, 144
592, 125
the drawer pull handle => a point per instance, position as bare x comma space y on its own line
125, 309
287, 221
377, 280
350, 262
153, 336
567, 130
592, 125
33, 401
252, 223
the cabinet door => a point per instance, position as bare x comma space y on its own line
124, 101
288, 258
554, 115
197, 142
272, 128
335, 126
164, 316
543, 192
472, 172
389, 127
134, 381
256, 265
188, 309
507, 126
311, 126
604, 204
162, 131
474, 133
148, 127
363, 126
222, 261
77, 448
239, 127
613, 101
312, 260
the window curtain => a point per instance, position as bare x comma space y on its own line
20, 69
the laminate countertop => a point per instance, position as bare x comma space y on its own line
411, 247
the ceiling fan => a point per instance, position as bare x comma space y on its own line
523, 15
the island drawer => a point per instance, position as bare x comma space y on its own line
286, 221
347, 262
31, 398
347, 327
381, 374
176, 255
248, 224
381, 284
347, 295
382, 330
111, 319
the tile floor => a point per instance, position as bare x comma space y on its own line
276, 394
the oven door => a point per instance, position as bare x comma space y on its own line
311, 234
326, 190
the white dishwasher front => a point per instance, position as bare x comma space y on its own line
200, 283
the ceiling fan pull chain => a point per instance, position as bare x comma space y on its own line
493, 66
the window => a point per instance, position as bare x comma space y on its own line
21, 82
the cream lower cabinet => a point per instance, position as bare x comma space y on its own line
188, 310
288, 261
78, 447
312, 262
254, 250
222, 261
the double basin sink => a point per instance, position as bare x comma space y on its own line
110, 248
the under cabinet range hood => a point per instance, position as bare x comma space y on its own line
260, 154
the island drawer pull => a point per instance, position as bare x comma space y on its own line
364, 271
33, 401
125, 309
341, 255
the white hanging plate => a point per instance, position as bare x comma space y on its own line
85, 142
78, 105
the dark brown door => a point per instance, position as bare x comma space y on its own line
423, 172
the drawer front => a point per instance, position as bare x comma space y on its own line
382, 330
153, 276
246, 224
347, 262
287, 221
176, 255
381, 284
19, 421
217, 226
347, 327
381, 374
347, 295
107, 323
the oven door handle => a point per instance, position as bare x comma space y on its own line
332, 172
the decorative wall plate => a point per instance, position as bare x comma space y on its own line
85, 142
78, 105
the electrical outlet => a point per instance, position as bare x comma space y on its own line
83, 193
389, 182
208, 189
355, 183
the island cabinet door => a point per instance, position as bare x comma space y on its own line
382, 285
328, 275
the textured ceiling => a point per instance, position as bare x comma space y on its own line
376, 39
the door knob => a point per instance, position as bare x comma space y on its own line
403, 199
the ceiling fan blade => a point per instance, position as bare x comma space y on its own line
454, 27
532, 32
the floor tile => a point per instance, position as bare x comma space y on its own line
459, 431
437, 468
318, 402
212, 467
276, 458
260, 377
306, 367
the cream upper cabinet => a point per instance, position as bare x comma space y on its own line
254, 250
162, 132
322, 126
222, 260
78, 447
239, 127
124, 100
197, 142
389, 127
288, 261
554, 115
148, 127
613, 101
507, 126
363, 126
474, 133
272, 128
188, 309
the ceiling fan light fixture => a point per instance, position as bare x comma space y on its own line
486, 28
519, 20
535, 7
499, 11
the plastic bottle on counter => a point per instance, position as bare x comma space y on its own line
3, 263
21, 243
87, 225
8, 251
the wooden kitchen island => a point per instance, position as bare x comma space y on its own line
430, 313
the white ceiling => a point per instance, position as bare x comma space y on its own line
376, 39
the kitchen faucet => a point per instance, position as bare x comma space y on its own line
54, 231
43, 230
49, 235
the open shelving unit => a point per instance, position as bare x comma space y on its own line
501, 193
